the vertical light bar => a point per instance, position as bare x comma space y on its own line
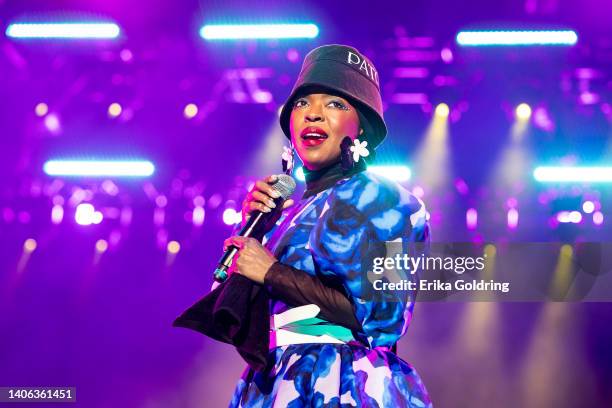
255, 31
63, 30
518, 37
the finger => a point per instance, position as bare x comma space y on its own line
288, 203
271, 179
266, 188
257, 206
236, 241
263, 198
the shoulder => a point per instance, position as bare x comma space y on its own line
381, 201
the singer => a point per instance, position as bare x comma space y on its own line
331, 339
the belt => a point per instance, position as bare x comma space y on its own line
300, 325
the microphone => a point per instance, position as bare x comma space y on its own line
258, 224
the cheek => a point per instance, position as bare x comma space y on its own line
346, 124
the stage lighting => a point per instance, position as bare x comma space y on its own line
471, 218
512, 218
174, 247
395, 173
30, 245
573, 174
588, 207
480, 38
114, 110
98, 168
231, 216
573, 217
190, 111
442, 110
523, 112
57, 214
261, 31
101, 246
41, 109
86, 214
598, 218
52, 123
63, 30
197, 216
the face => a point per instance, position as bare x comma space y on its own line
318, 123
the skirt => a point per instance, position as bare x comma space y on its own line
331, 375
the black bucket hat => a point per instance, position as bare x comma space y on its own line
342, 70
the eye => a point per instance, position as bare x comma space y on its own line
338, 105
300, 103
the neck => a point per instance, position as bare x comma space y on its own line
322, 179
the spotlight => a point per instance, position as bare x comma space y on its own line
573, 174
41, 109
98, 168
588, 207
523, 112
101, 246
190, 111
57, 214
479, 38
442, 110
86, 214
471, 218
598, 218
29, 245
114, 110
231, 216
63, 30
261, 31
174, 247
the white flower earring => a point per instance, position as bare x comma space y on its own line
351, 151
287, 160
359, 149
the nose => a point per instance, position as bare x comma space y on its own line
314, 115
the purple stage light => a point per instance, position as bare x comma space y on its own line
52, 123
471, 218
57, 214
512, 218
231, 216
258, 31
99, 168
197, 216
598, 218
86, 214
480, 38
63, 30
588, 207
447, 55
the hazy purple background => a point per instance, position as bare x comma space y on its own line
105, 327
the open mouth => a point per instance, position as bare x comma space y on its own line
313, 136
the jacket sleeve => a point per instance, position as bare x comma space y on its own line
297, 288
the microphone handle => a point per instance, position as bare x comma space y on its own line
253, 228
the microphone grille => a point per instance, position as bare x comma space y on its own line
285, 185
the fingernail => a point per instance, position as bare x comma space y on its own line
275, 194
267, 209
271, 204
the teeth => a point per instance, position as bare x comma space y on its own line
313, 135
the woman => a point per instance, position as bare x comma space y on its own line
332, 335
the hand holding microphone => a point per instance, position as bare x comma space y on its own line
261, 209
261, 198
